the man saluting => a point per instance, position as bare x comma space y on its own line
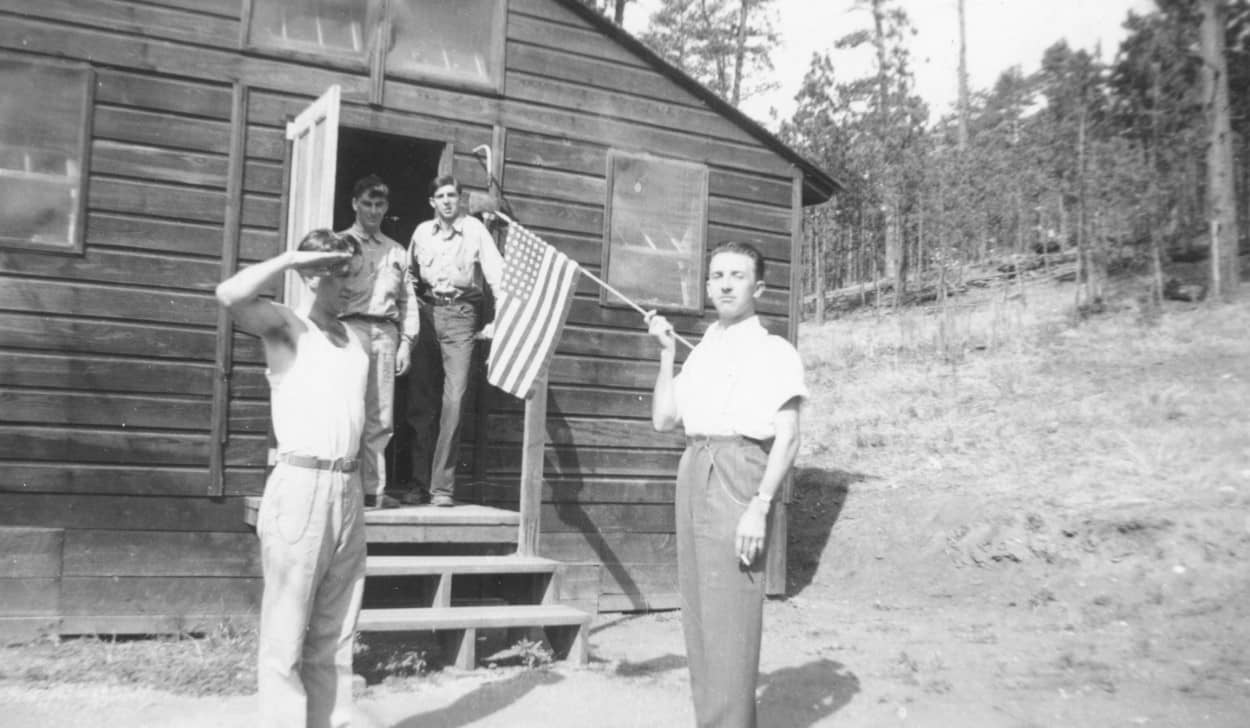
311, 521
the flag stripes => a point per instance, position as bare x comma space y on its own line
531, 306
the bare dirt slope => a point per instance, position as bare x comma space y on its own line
1001, 518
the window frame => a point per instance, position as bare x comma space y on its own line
494, 60
77, 244
700, 259
372, 59
361, 61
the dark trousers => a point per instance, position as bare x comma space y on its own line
437, 384
722, 601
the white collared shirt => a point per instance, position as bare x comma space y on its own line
736, 380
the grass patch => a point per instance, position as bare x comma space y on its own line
221, 661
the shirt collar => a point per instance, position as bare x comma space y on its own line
748, 328
359, 233
456, 226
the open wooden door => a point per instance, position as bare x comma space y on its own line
314, 140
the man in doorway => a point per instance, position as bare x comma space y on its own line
311, 521
444, 255
382, 310
738, 397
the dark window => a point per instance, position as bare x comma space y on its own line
456, 41
656, 230
335, 28
44, 122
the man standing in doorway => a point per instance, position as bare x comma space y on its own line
444, 256
382, 310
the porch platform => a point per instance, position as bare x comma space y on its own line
429, 524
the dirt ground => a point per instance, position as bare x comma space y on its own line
1041, 529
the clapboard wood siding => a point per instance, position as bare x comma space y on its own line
125, 512
581, 100
107, 357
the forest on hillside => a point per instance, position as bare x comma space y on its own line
1103, 160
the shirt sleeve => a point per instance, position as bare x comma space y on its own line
487, 254
786, 374
406, 297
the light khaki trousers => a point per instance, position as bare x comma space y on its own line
381, 341
312, 538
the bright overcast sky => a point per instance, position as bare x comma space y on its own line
1001, 34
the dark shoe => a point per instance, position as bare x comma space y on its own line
386, 501
442, 500
413, 498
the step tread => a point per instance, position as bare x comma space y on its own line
428, 565
511, 615
428, 516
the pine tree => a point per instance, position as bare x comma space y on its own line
726, 45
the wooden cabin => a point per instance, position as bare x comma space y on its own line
148, 149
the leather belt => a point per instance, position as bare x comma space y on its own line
693, 440
343, 465
443, 299
368, 318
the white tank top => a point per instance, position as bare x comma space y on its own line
318, 404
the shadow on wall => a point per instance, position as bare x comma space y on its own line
815, 505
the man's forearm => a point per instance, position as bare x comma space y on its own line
780, 460
492, 262
249, 283
409, 309
664, 400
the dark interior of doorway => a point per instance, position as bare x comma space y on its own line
406, 165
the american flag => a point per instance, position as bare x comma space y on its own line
531, 306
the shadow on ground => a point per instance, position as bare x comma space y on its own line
815, 504
801, 696
654, 666
483, 702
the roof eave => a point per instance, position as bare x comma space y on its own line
818, 185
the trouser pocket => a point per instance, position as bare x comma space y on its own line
288, 503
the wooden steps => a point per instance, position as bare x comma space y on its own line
567, 628
427, 524
448, 565
423, 584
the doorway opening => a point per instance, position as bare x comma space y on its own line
406, 165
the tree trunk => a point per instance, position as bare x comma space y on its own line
818, 254
918, 263
740, 50
963, 80
1081, 271
893, 258
1152, 201
619, 14
1221, 197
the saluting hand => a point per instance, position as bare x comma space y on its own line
321, 263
